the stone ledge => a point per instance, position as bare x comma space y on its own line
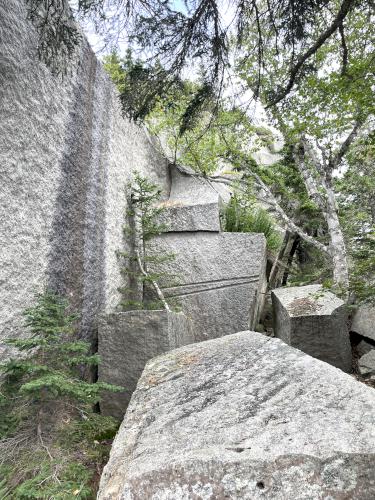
127, 340
315, 321
244, 417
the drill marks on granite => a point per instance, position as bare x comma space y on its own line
206, 286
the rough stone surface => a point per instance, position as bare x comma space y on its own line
364, 347
177, 217
127, 340
314, 321
218, 279
364, 322
366, 364
244, 417
66, 156
193, 204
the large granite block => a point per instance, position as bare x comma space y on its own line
366, 365
177, 217
67, 154
127, 340
193, 204
244, 417
314, 321
219, 279
364, 322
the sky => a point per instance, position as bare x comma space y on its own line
255, 111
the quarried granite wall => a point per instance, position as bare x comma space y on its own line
66, 156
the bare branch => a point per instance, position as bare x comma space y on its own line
344, 49
302, 153
343, 12
154, 284
336, 160
272, 202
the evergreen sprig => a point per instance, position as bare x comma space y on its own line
50, 369
144, 214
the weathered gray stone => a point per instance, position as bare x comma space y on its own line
178, 217
66, 156
364, 347
244, 417
364, 322
220, 278
314, 321
127, 340
193, 204
189, 189
366, 364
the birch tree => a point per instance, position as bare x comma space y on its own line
325, 115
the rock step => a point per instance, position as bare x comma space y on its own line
244, 417
314, 320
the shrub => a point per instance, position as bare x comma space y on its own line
43, 396
241, 215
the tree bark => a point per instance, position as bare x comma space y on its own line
315, 183
337, 243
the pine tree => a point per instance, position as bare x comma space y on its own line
40, 394
144, 212
49, 371
46, 380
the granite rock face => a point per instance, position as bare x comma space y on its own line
193, 204
244, 417
218, 279
127, 340
366, 365
66, 156
364, 322
314, 321
364, 347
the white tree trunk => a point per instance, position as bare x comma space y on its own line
315, 183
337, 243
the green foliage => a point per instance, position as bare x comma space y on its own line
278, 36
50, 370
80, 448
73, 482
197, 132
43, 397
144, 211
140, 87
288, 186
331, 98
356, 195
244, 216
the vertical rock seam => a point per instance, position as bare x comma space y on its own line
76, 260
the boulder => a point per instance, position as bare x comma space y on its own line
177, 217
193, 204
127, 340
366, 365
244, 417
364, 347
219, 278
314, 321
364, 322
